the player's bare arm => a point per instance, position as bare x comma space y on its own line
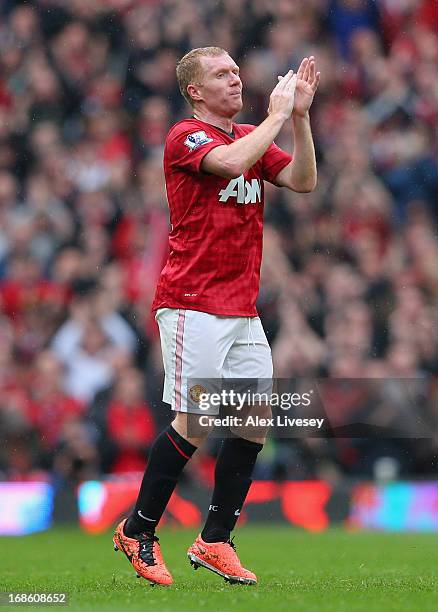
300, 175
230, 161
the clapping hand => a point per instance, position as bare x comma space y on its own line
306, 86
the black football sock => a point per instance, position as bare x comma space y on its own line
169, 454
232, 480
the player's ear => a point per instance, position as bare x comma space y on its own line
194, 92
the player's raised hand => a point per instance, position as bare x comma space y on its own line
282, 97
307, 84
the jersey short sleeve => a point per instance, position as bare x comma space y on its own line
273, 161
187, 145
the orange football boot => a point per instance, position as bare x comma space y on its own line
144, 554
221, 558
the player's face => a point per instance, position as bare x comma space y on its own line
221, 87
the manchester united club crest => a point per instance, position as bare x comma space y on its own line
196, 391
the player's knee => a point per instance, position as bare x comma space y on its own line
187, 425
261, 413
264, 411
254, 424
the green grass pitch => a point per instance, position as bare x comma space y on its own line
333, 571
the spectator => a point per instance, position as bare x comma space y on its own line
130, 424
49, 408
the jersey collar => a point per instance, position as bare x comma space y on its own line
230, 134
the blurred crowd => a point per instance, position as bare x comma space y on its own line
350, 271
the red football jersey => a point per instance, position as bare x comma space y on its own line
216, 234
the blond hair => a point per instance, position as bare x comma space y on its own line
189, 69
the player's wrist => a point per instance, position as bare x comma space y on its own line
280, 116
297, 116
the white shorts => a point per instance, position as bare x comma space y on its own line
198, 345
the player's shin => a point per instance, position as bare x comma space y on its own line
234, 467
168, 457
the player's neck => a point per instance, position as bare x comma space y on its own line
224, 123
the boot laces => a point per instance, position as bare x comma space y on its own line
146, 543
230, 541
